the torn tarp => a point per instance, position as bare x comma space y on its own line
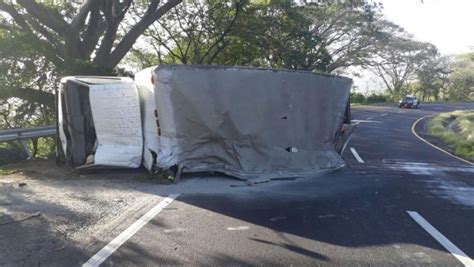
248, 122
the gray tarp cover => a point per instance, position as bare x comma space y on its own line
249, 122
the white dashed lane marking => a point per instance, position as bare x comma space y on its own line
238, 228
356, 155
366, 121
448, 245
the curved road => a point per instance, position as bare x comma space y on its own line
353, 217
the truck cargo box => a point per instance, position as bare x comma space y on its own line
243, 122
248, 122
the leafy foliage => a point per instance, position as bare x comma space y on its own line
279, 34
461, 78
27, 80
78, 39
358, 98
41, 41
399, 60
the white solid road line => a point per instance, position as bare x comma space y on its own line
369, 118
432, 145
356, 155
455, 251
111, 247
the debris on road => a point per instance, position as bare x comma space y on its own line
176, 230
278, 218
238, 228
327, 216
59, 248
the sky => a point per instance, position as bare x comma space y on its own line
448, 24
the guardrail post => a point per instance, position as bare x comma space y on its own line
24, 145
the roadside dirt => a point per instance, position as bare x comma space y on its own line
46, 209
49, 214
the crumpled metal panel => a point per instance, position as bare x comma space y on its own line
151, 141
249, 122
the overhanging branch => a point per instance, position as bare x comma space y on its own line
129, 39
28, 94
45, 16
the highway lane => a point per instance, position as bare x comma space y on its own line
442, 187
353, 217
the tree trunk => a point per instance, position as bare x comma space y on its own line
34, 142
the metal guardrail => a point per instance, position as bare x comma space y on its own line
26, 133
23, 134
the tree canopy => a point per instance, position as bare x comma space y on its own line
88, 32
41, 41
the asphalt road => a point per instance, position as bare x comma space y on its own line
353, 217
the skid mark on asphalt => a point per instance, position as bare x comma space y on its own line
448, 245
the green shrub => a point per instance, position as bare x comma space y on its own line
358, 98
374, 98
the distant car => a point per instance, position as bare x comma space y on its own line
409, 101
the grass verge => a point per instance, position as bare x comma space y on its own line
7, 170
455, 129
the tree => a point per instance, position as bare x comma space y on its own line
324, 36
318, 36
349, 31
432, 77
461, 78
79, 39
192, 33
398, 60
24, 74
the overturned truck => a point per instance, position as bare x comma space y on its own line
243, 122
